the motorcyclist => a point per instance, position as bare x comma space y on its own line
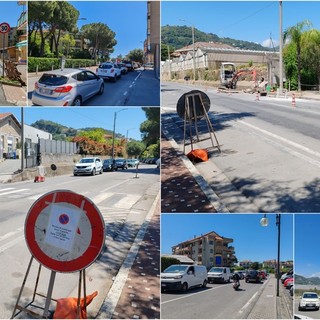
236, 279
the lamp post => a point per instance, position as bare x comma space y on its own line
193, 49
264, 223
114, 129
127, 139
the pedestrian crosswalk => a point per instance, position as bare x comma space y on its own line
14, 193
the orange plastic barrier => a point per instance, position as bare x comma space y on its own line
67, 307
198, 155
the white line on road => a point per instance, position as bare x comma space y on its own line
10, 234
13, 191
248, 303
125, 93
5, 189
11, 244
192, 294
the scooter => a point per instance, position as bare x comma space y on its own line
236, 285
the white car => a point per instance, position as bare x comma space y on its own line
309, 300
67, 87
109, 70
88, 165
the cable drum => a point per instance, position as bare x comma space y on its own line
196, 109
53, 167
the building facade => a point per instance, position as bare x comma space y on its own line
209, 249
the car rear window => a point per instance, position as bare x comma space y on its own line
105, 66
53, 79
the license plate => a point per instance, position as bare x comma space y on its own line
45, 91
310, 305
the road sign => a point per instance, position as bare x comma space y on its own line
64, 231
4, 27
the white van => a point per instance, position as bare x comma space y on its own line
182, 277
219, 274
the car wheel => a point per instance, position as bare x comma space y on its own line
93, 172
114, 78
184, 287
299, 308
101, 90
75, 174
77, 101
204, 284
101, 171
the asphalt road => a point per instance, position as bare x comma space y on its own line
216, 301
270, 150
136, 88
123, 199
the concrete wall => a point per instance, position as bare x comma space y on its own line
33, 134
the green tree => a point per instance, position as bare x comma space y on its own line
67, 41
101, 37
311, 51
150, 128
97, 135
290, 65
167, 262
136, 55
294, 33
135, 148
255, 266
166, 51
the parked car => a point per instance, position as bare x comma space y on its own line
263, 275
109, 70
123, 68
67, 87
128, 64
286, 275
292, 291
109, 165
219, 274
241, 274
148, 66
253, 276
183, 277
309, 300
288, 283
121, 164
132, 163
88, 165
158, 163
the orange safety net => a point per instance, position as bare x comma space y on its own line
198, 155
67, 307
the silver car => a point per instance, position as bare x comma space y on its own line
67, 87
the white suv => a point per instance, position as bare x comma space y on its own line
88, 166
109, 70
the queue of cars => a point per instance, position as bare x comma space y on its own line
72, 87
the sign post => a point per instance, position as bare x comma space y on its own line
64, 232
4, 28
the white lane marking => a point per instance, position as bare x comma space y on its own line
130, 86
125, 93
11, 244
5, 189
13, 191
137, 77
10, 234
192, 294
275, 136
36, 196
128, 201
248, 303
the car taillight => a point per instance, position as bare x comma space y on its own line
63, 89
36, 86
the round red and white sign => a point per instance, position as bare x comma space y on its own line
4, 27
64, 231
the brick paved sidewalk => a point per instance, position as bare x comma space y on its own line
140, 297
180, 191
15, 95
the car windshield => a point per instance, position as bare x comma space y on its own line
119, 160
107, 161
175, 269
310, 296
216, 269
53, 79
86, 160
105, 66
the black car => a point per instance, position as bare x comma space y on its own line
121, 164
253, 276
109, 165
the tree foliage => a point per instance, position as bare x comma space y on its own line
167, 262
135, 148
150, 128
136, 55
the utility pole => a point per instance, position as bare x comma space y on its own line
194, 58
22, 140
280, 50
169, 62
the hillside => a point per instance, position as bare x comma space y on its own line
307, 281
180, 36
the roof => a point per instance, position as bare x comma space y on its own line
206, 45
9, 114
181, 258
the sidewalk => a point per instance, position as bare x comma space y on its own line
7, 169
15, 95
135, 292
180, 191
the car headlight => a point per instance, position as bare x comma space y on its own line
178, 277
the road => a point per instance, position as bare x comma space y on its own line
123, 198
216, 301
270, 149
136, 88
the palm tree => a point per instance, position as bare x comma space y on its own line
295, 35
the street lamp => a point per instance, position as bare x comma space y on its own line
114, 129
193, 49
264, 223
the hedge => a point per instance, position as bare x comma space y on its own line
45, 64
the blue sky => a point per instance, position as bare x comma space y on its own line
128, 119
10, 12
307, 257
128, 19
251, 241
243, 20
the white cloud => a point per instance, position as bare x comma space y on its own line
268, 43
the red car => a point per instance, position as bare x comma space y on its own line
288, 283
263, 275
